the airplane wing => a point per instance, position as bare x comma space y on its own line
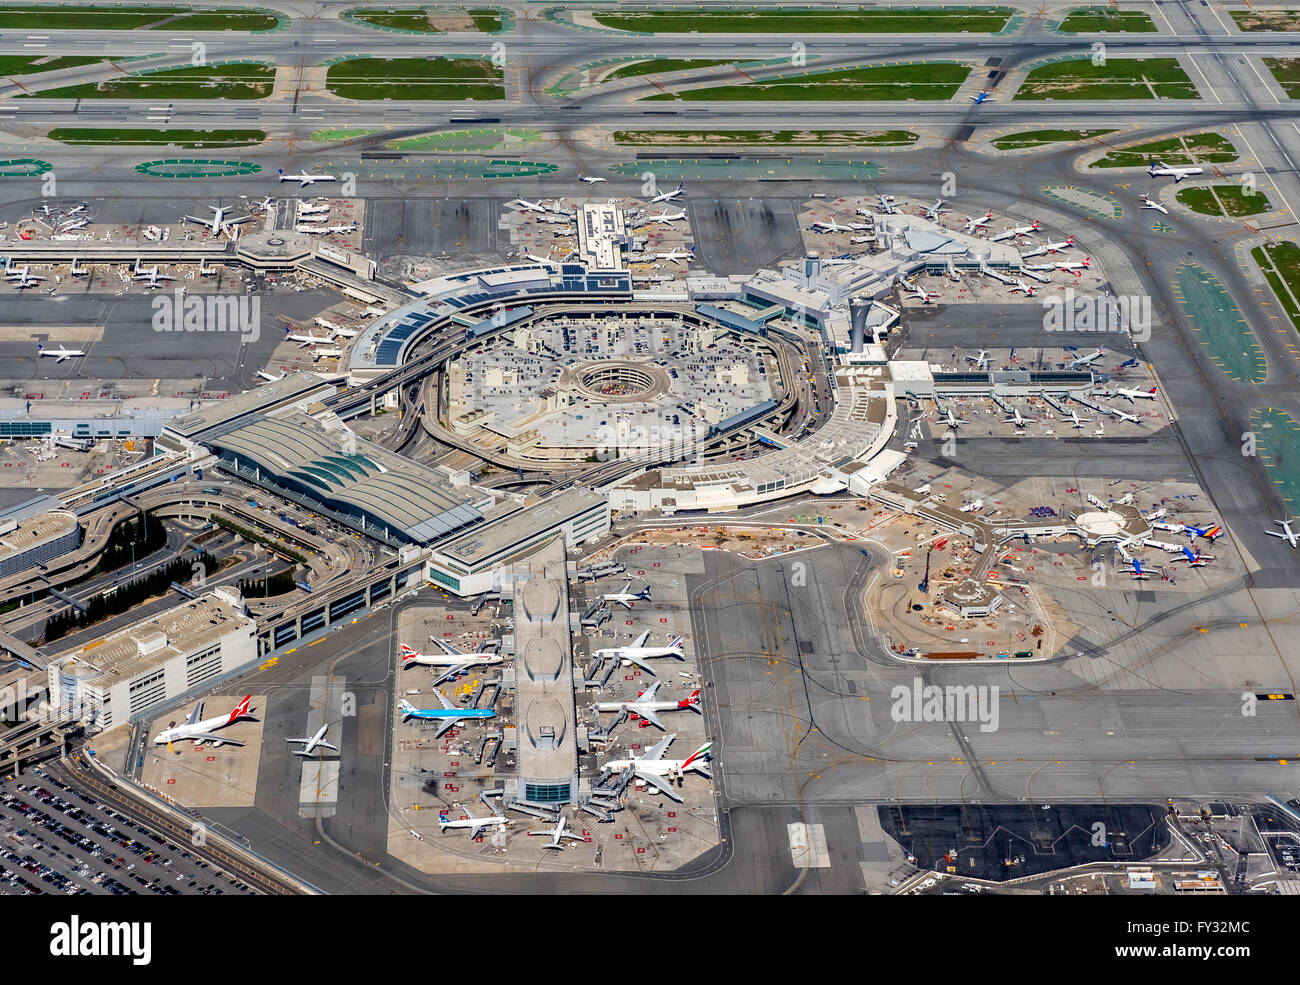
447, 724
328, 745
649, 693
648, 715
448, 649
660, 784
198, 708
213, 737
659, 748
443, 699
641, 640
446, 675
639, 661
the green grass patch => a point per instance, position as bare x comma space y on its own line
1280, 265
1216, 319
1035, 138
881, 82
464, 141
1119, 78
416, 78
1223, 200
1091, 20
812, 138
178, 138
741, 21
665, 65
48, 17
207, 82
1191, 148
329, 136
431, 20
1266, 20
1287, 73
1277, 437
31, 64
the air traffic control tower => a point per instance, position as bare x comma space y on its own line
546, 718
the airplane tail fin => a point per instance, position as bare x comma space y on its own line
698, 755
677, 641
406, 706
241, 709
693, 701
408, 653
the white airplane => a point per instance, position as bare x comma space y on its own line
339, 330
476, 825
1194, 559
1016, 419
981, 361
451, 661
557, 833
972, 507
306, 340
149, 274
1149, 203
1076, 267
265, 204
68, 227
637, 652
644, 705
218, 223
1119, 415
676, 255
1065, 244
1286, 533
1022, 288
205, 730
935, 210
952, 421
536, 259
653, 770
1129, 395
77, 208
974, 224
589, 179
1158, 170
668, 196
1015, 231
1087, 360
1138, 573
25, 277
317, 741
267, 377
313, 208
204, 269
76, 270
44, 209
885, 204
528, 206
59, 354
665, 216
1076, 422
920, 293
626, 598
834, 227
304, 179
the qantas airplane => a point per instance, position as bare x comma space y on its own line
644, 705
60, 354
1076, 267
1158, 170
476, 825
1015, 231
451, 661
625, 598
653, 770
668, 196
205, 730
637, 653
304, 179
557, 833
317, 741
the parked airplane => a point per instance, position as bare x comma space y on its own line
981, 361
588, 179
1087, 360
644, 705
25, 277
1196, 559
626, 598
1076, 422
451, 661
920, 293
1016, 419
1119, 415
952, 421
149, 274
218, 223
1148, 203
59, 354
448, 711
312, 208
205, 730
304, 179
665, 216
935, 210
654, 770
1076, 267
1015, 231
265, 204
668, 196
1286, 533
637, 652
1139, 573
981, 97
528, 206
557, 833
676, 255
1066, 244
885, 204
974, 224
476, 825
306, 340
834, 227
204, 269
1022, 288
1129, 395
317, 741
267, 377
1158, 170
1210, 533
